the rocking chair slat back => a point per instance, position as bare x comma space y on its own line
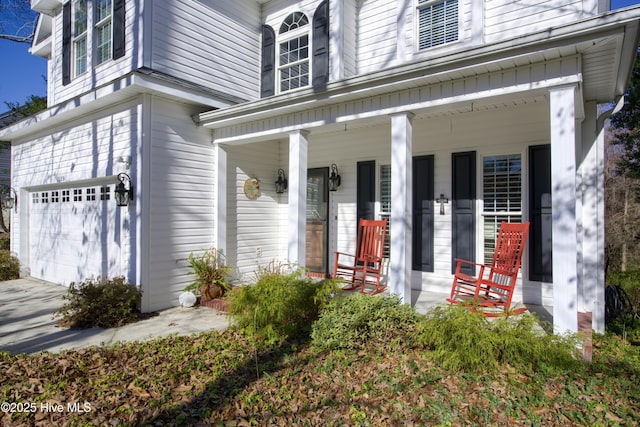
492, 291
365, 267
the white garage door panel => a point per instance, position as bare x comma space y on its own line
71, 240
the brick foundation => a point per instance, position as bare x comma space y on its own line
585, 329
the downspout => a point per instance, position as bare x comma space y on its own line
602, 118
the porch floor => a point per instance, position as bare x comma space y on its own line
423, 300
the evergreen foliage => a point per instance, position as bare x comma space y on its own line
360, 321
463, 340
279, 306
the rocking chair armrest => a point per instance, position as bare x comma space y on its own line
342, 259
344, 253
464, 261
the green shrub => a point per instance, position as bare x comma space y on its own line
9, 266
629, 281
279, 306
5, 242
104, 303
462, 340
357, 321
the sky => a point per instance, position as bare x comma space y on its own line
23, 75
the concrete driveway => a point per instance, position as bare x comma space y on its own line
27, 324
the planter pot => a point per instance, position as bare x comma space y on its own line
211, 291
219, 303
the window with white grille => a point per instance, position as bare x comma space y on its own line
102, 12
438, 23
502, 196
79, 37
293, 52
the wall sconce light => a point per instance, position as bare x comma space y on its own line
281, 183
10, 201
123, 195
334, 178
442, 200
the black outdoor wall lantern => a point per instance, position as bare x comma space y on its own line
122, 194
10, 201
334, 178
281, 183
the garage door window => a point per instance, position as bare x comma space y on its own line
105, 193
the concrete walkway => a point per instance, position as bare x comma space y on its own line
27, 324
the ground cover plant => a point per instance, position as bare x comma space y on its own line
230, 378
279, 305
212, 379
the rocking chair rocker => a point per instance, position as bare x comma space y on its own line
364, 269
491, 291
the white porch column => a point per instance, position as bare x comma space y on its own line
591, 171
297, 197
401, 205
563, 201
220, 232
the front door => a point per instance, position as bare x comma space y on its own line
317, 233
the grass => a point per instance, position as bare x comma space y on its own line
213, 378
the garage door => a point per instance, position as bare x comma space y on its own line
72, 234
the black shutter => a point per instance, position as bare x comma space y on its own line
463, 209
423, 213
321, 44
366, 190
118, 29
66, 43
268, 72
540, 241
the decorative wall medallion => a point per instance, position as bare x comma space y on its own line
252, 188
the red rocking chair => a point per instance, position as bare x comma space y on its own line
363, 270
491, 291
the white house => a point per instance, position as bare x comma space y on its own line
492, 105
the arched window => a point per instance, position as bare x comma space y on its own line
293, 52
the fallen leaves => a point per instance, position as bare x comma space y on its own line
211, 378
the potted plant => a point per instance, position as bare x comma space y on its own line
211, 274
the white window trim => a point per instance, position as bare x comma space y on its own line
481, 214
416, 29
75, 39
96, 26
290, 35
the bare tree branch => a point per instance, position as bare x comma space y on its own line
17, 21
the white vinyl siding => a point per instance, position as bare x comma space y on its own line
507, 19
210, 43
255, 226
376, 35
180, 195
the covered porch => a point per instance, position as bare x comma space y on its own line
436, 130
